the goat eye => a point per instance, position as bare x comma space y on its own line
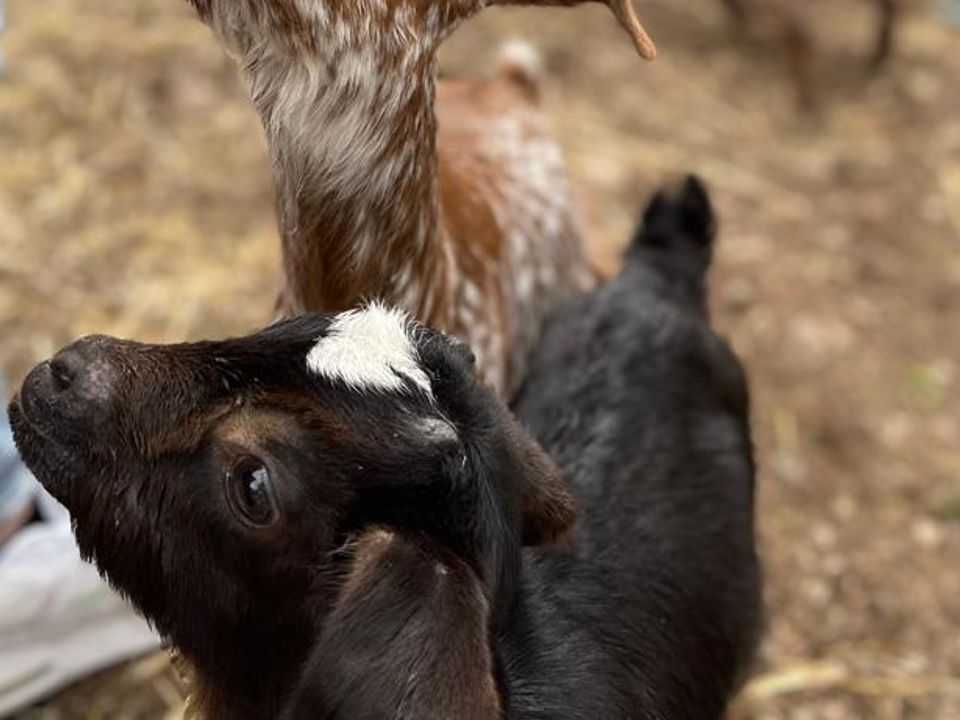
250, 492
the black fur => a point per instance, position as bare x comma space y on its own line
393, 582
654, 612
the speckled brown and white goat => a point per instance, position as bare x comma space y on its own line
449, 202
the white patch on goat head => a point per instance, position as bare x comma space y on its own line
369, 349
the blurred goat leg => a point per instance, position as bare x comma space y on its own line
888, 11
793, 34
737, 9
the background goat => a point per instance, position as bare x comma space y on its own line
462, 217
327, 516
788, 22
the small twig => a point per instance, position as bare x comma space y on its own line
796, 678
829, 675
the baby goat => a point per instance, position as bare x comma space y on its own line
327, 518
462, 217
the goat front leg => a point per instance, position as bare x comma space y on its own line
889, 14
792, 32
737, 10
407, 639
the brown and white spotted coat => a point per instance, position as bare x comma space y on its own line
452, 204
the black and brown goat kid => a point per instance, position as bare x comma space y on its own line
328, 518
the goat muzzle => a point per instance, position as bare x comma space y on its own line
72, 394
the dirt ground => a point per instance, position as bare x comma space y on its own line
135, 200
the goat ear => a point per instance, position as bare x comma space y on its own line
414, 618
624, 11
547, 507
627, 15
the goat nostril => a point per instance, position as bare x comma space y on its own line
61, 374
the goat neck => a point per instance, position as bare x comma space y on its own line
461, 215
345, 94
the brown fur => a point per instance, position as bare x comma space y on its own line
488, 272
390, 543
